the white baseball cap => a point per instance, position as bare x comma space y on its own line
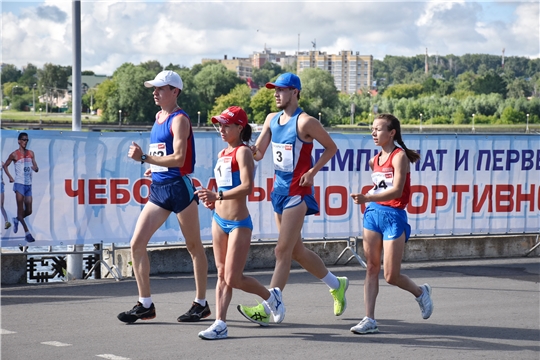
166, 77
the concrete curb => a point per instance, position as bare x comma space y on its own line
176, 259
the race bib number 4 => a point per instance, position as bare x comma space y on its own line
381, 182
158, 149
223, 171
283, 157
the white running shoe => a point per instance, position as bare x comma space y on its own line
277, 307
366, 326
218, 330
425, 302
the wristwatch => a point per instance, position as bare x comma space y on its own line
143, 158
220, 195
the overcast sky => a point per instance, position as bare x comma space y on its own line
115, 32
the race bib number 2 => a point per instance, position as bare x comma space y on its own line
283, 157
158, 149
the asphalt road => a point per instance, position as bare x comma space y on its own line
484, 309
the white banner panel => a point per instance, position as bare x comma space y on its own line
87, 190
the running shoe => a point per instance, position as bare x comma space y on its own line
15, 225
218, 330
138, 312
255, 314
366, 326
425, 302
29, 238
340, 301
195, 313
277, 307
7, 225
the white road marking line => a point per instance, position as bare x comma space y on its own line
55, 343
112, 357
6, 332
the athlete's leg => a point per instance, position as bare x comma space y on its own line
235, 261
223, 290
372, 242
150, 219
4, 214
27, 206
393, 254
289, 226
189, 224
21, 213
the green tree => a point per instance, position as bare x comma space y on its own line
239, 96
491, 82
213, 81
319, 94
262, 104
403, 91
10, 74
265, 73
107, 92
29, 76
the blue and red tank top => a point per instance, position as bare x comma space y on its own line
161, 144
291, 155
227, 171
383, 180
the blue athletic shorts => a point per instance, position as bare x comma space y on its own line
24, 190
388, 221
282, 202
229, 225
174, 195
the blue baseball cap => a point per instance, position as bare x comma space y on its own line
285, 81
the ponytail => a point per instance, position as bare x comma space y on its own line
394, 124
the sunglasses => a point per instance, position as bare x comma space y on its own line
24, 139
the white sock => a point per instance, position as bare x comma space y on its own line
146, 302
331, 280
201, 302
220, 322
268, 303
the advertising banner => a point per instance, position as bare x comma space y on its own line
88, 191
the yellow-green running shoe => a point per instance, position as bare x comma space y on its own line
340, 301
255, 314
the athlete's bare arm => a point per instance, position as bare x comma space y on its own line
264, 139
34, 163
9, 160
310, 129
181, 130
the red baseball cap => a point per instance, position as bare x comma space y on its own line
232, 115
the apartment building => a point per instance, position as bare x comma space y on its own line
259, 58
352, 72
241, 66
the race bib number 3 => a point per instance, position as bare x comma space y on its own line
283, 157
158, 149
381, 182
223, 171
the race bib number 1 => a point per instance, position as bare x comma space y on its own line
158, 149
283, 157
223, 171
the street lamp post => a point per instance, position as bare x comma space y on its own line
472, 122
320, 117
527, 129
420, 122
11, 100
120, 117
34, 99
198, 119
40, 116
